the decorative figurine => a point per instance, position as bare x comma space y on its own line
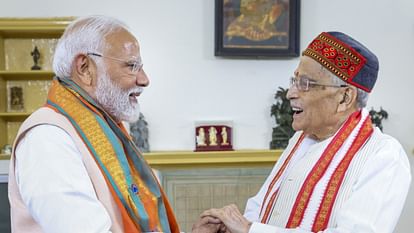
139, 133
7, 149
36, 56
224, 136
212, 133
201, 138
213, 138
16, 103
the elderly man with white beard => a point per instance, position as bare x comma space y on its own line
73, 167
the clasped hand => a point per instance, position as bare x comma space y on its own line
225, 220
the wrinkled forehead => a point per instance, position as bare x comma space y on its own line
121, 43
309, 67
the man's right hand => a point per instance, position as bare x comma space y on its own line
206, 225
231, 217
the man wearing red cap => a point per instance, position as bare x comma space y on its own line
338, 173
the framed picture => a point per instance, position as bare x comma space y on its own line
15, 100
257, 28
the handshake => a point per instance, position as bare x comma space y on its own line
225, 220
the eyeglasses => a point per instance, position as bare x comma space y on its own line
304, 83
134, 66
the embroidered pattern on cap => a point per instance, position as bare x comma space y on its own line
336, 56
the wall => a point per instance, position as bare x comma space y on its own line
189, 84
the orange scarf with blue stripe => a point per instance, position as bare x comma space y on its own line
143, 204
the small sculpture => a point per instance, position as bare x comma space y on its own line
201, 138
212, 136
36, 56
7, 149
216, 137
224, 136
139, 133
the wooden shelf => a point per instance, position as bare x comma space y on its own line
19, 36
26, 75
177, 159
14, 116
4, 157
33, 27
186, 159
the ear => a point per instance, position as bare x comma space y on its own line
83, 69
348, 98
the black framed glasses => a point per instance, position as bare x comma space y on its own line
134, 66
304, 83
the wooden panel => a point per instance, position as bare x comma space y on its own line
3, 133
34, 93
2, 53
18, 53
3, 95
193, 191
180, 159
12, 129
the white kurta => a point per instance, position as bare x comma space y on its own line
54, 183
370, 199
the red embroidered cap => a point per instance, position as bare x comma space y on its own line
346, 58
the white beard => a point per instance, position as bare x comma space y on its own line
115, 100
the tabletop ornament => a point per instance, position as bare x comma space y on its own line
36, 56
213, 136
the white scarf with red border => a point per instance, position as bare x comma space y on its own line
314, 202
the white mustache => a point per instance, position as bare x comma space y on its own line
138, 90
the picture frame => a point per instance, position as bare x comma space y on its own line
257, 28
15, 98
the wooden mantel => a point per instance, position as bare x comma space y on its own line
246, 158
186, 159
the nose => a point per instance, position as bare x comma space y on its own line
142, 79
292, 92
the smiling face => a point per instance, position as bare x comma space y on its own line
317, 110
118, 85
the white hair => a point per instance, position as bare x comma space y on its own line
362, 96
86, 34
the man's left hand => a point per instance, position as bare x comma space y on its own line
206, 225
230, 215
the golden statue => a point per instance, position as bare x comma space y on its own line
201, 138
224, 136
212, 136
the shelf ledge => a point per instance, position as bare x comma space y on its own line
177, 159
26, 75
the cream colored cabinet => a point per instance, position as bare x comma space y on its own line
23, 88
